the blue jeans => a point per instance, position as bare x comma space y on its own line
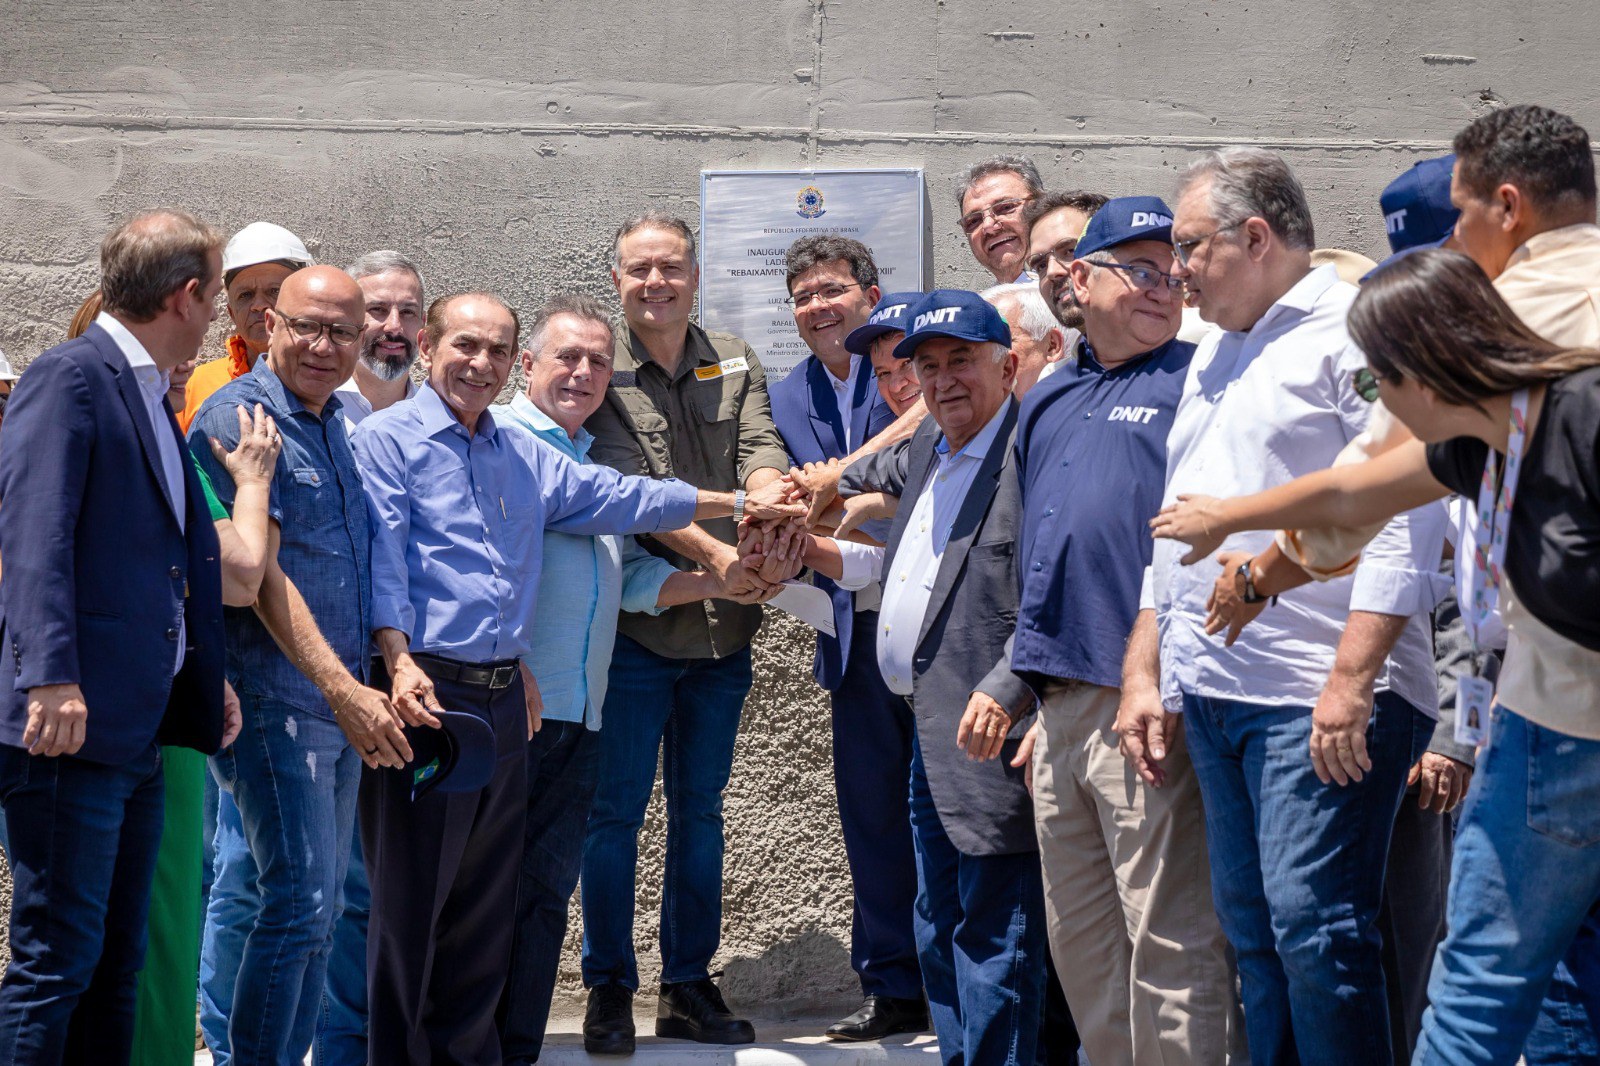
1563, 1034
981, 939
687, 711
84, 854
341, 1037
1525, 877
1297, 872
294, 779
231, 907
563, 769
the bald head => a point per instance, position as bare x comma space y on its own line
315, 331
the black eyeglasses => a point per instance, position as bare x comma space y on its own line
827, 294
1000, 209
1145, 279
1062, 252
309, 330
1182, 250
1365, 382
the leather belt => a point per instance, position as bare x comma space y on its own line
495, 675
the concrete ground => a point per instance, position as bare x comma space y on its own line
783, 1041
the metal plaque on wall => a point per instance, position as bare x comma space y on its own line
748, 219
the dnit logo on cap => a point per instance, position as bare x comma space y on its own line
939, 316
808, 202
1149, 218
885, 314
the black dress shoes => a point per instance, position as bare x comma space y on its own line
695, 1010
608, 1023
882, 1016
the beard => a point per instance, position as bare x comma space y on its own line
1066, 310
387, 369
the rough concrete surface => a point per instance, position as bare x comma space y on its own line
500, 142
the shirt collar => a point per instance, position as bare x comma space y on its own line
436, 415
697, 351
978, 447
1302, 296
849, 375
131, 347
1579, 235
528, 413
350, 393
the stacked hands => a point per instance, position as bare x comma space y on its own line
1339, 721
772, 549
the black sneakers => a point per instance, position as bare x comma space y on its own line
695, 1010
608, 1023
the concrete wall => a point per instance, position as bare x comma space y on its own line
500, 142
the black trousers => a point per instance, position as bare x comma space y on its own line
444, 885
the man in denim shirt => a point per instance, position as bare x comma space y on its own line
585, 579
293, 773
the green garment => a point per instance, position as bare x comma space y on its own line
218, 512
164, 1008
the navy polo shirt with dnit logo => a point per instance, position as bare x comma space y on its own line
1092, 456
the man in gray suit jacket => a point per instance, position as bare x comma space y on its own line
949, 608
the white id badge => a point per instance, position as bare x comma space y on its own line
1474, 696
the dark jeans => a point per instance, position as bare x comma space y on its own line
1411, 919
872, 731
687, 711
981, 939
444, 884
83, 852
563, 768
1297, 872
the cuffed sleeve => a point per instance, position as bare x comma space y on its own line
643, 575
885, 470
596, 499
1006, 688
760, 447
1147, 590
1399, 572
862, 564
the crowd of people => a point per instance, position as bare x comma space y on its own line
1214, 666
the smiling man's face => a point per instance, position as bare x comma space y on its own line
999, 242
825, 323
470, 362
568, 375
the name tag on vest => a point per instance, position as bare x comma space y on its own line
727, 366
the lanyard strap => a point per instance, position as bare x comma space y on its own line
1488, 524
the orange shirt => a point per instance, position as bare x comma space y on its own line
209, 377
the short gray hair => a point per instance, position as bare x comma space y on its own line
1036, 320
381, 262
653, 218
1253, 182
576, 304
1020, 165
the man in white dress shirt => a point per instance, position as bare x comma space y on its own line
1298, 838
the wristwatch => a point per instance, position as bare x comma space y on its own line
1250, 594
738, 506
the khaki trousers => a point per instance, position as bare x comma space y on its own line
1128, 891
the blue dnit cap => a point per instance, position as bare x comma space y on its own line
459, 756
952, 313
1417, 212
888, 317
1127, 218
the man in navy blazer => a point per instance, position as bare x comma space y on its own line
111, 611
944, 641
829, 408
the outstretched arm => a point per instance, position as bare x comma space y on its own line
1344, 496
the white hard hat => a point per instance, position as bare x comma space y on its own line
263, 242
6, 373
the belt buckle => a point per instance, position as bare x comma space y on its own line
502, 676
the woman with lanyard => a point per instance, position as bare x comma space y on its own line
1511, 423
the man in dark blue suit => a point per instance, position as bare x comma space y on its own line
112, 611
829, 408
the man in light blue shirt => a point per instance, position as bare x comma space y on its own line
566, 368
459, 506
